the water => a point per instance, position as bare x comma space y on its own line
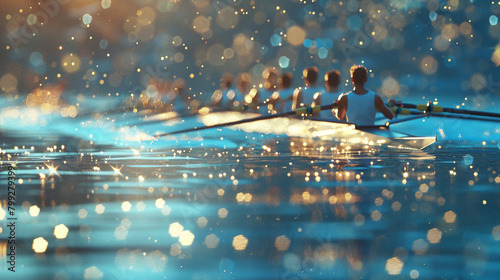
244, 205
99, 197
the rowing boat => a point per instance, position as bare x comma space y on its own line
320, 129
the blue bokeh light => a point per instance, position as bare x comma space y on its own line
275, 40
433, 15
307, 43
322, 53
284, 62
493, 20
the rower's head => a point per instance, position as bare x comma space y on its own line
179, 86
285, 80
243, 82
310, 75
226, 81
270, 76
359, 75
332, 80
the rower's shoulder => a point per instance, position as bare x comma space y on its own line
374, 93
343, 97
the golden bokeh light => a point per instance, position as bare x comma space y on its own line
376, 215
222, 213
186, 238
394, 266
450, 217
295, 35
99, 209
126, 206
390, 87
495, 57
175, 229
429, 65
201, 24
61, 231
159, 203
40, 245
34, 211
240, 242
434, 235
8, 83
71, 63
282, 243
227, 18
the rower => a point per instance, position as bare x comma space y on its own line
246, 96
178, 98
360, 105
305, 96
266, 103
326, 96
223, 97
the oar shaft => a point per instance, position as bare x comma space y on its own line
470, 112
300, 111
467, 117
217, 125
417, 116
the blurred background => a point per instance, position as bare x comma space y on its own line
415, 49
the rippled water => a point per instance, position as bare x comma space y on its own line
227, 204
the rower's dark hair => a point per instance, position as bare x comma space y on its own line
310, 74
227, 80
359, 74
269, 72
243, 81
332, 78
285, 80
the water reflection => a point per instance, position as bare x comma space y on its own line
315, 211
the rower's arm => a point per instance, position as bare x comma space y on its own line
297, 99
381, 107
316, 99
342, 108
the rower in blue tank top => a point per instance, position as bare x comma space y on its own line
284, 98
327, 96
305, 96
360, 105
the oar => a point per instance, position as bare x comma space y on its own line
417, 116
300, 111
113, 111
475, 118
202, 111
429, 107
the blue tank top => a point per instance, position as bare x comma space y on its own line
286, 96
308, 94
361, 108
